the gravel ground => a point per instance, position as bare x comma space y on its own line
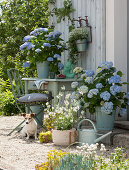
19, 154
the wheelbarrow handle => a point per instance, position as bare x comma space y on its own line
79, 124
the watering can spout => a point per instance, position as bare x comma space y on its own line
102, 137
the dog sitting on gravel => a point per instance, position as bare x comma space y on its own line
30, 128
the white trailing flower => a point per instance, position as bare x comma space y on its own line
78, 70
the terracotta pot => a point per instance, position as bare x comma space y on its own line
64, 137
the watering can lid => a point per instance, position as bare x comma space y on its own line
79, 124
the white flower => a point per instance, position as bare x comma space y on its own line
78, 70
74, 84
83, 89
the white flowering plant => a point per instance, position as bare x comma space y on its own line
101, 90
63, 113
43, 45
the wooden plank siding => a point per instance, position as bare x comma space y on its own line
96, 12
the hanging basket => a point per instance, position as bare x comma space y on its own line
82, 45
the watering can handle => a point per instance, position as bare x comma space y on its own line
78, 127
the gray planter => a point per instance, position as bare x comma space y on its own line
81, 45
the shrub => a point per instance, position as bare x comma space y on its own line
45, 137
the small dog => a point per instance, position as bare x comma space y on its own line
30, 127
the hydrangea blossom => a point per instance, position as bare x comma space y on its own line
115, 89
26, 64
105, 96
60, 66
89, 80
84, 75
106, 65
47, 45
57, 56
89, 73
115, 79
83, 89
74, 84
92, 92
127, 96
35, 32
78, 70
38, 50
50, 59
123, 111
27, 38
107, 108
75, 95
27, 45
99, 85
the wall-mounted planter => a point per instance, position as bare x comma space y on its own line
81, 45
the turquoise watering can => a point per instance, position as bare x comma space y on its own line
89, 135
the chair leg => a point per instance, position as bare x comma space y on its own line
16, 128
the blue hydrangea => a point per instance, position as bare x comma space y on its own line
59, 46
75, 95
48, 39
105, 95
26, 64
107, 108
35, 32
115, 79
50, 59
115, 89
92, 92
37, 50
60, 66
57, 56
74, 84
54, 35
27, 38
83, 89
89, 80
99, 85
123, 111
106, 65
89, 73
47, 45
27, 45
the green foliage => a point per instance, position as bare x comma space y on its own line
65, 11
74, 161
18, 18
7, 104
45, 137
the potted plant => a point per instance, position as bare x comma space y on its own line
64, 117
43, 48
101, 93
78, 37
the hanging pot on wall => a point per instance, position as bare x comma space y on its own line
82, 45
43, 69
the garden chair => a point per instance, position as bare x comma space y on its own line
32, 99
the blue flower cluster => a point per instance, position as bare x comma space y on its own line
89, 73
92, 92
27, 45
115, 89
57, 56
53, 35
105, 96
89, 80
115, 79
106, 65
107, 108
26, 64
74, 84
27, 38
37, 50
60, 66
47, 45
99, 85
37, 30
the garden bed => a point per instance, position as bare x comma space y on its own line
16, 153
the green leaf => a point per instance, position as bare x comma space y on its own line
120, 73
